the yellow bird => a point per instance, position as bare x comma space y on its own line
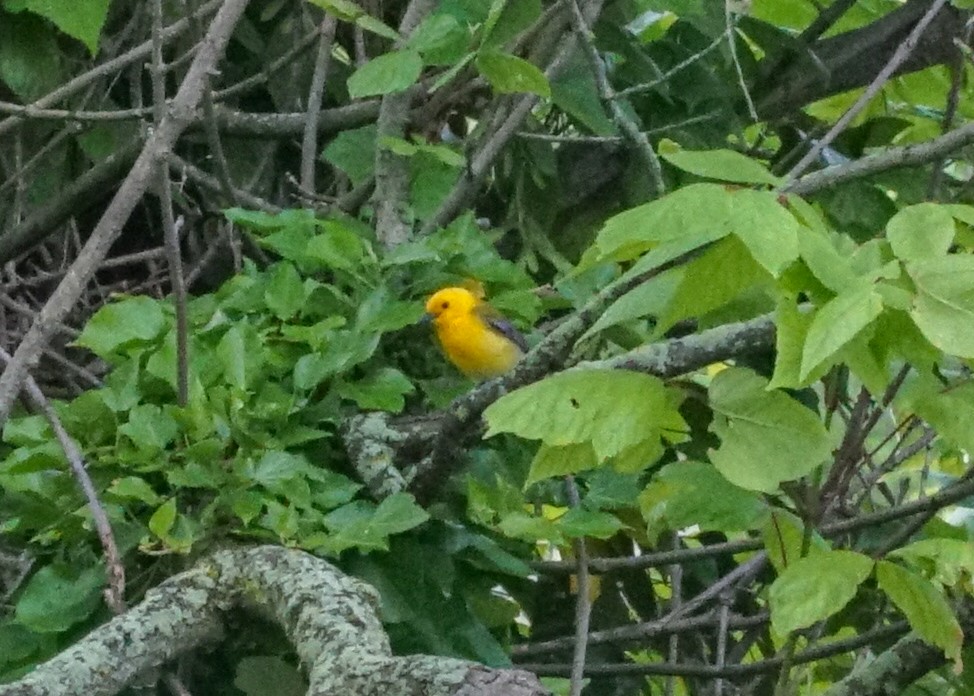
474, 335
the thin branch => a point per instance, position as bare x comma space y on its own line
316, 93
731, 30
115, 592
583, 603
899, 56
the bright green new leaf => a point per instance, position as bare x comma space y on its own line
134, 488
646, 299
766, 437
837, 323
791, 327
950, 411
163, 519
611, 409
766, 227
240, 353
924, 606
391, 72
825, 262
815, 587
121, 324
509, 74
530, 528
944, 305
921, 231
723, 165
58, 596
80, 20
560, 460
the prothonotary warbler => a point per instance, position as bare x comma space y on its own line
474, 335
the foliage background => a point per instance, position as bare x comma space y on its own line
745, 227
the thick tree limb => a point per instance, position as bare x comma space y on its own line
329, 617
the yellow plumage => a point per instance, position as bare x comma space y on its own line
475, 338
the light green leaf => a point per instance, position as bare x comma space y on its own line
784, 537
359, 525
579, 522
520, 525
391, 72
723, 165
791, 327
949, 411
816, 587
947, 561
766, 227
121, 324
944, 305
241, 354
509, 74
163, 519
560, 460
921, 231
766, 437
351, 12
611, 409
646, 299
831, 268
134, 488
284, 293
837, 323
924, 606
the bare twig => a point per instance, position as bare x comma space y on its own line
583, 603
309, 142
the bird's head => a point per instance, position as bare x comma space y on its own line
450, 302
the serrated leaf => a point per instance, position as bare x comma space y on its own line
944, 306
837, 323
723, 165
391, 72
509, 74
921, 231
766, 437
924, 606
121, 324
611, 409
816, 587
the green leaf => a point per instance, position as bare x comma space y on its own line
611, 409
646, 299
507, 18
58, 596
359, 525
391, 72
560, 460
150, 428
949, 410
241, 355
693, 493
521, 525
719, 275
351, 12
766, 437
837, 323
384, 390
579, 522
353, 151
509, 74
134, 488
766, 227
80, 20
284, 293
122, 324
29, 56
924, 606
784, 537
921, 231
791, 327
831, 268
723, 165
163, 519
944, 305
815, 587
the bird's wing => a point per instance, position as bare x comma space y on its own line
496, 321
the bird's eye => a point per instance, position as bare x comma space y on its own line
445, 305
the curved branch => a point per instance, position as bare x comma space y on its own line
330, 618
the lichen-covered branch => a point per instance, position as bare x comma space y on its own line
329, 617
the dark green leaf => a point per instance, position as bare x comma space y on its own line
58, 596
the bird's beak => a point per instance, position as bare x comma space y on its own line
426, 320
